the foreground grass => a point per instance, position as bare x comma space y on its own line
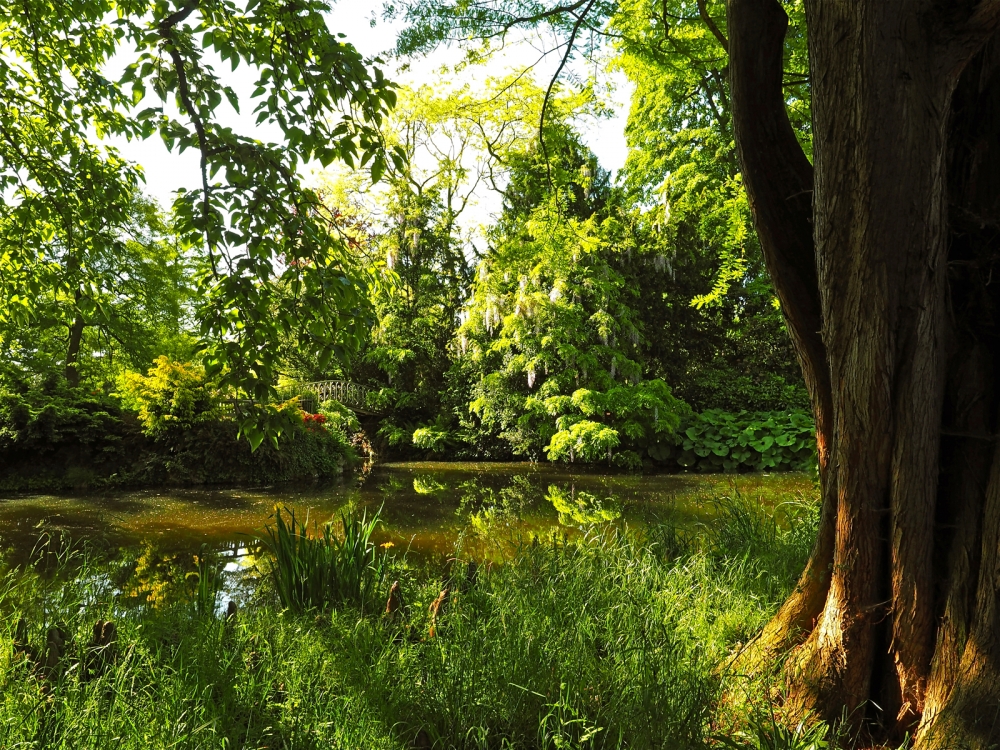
612, 642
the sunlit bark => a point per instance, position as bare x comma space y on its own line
898, 244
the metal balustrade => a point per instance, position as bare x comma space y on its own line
351, 395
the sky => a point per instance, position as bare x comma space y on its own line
165, 172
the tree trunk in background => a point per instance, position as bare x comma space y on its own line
886, 281
73, 351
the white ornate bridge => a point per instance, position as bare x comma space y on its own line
351, 395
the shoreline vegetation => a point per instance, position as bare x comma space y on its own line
619, 639
172, 428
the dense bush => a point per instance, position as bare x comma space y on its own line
167, 427
745, 441
171, 397
57, 435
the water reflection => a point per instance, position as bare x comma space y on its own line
428, 509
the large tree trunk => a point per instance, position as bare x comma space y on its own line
885, 278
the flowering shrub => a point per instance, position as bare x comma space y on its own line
314, 421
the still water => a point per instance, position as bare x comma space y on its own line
427, 509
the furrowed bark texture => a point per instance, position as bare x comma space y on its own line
886, 281
779, 182
73, 351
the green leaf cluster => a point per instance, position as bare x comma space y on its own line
275, 265
172, 397
715, 441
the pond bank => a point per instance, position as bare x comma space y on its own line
608, 641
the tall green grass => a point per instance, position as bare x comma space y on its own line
323, 569
614, 641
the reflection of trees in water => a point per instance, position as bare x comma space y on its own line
582, 508
154, 576
479, 503
428, 486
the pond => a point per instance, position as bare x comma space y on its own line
428, 509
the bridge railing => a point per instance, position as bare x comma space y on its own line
352, 395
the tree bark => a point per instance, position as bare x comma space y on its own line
885, 280
779, 183
73, 351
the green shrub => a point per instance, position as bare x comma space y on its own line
431, 438
178, 434
63, 437
715, 441
171, 396
614, 425
339, 417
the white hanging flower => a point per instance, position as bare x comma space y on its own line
531, 378
555, 294
390, 258
613, 368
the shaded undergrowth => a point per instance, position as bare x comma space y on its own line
612, 641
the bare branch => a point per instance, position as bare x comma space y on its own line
703, 11
552, 83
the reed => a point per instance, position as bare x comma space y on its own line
323, 569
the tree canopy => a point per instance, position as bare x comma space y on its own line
252, 220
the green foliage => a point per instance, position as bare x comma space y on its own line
759, 441
59, 435
590, 441
339, 417
92, 313
766, 731
323, 570
712, 328
178, 434
557, 340
274, 266
433, 439
172, 397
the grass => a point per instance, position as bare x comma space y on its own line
613, 641
323, 569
